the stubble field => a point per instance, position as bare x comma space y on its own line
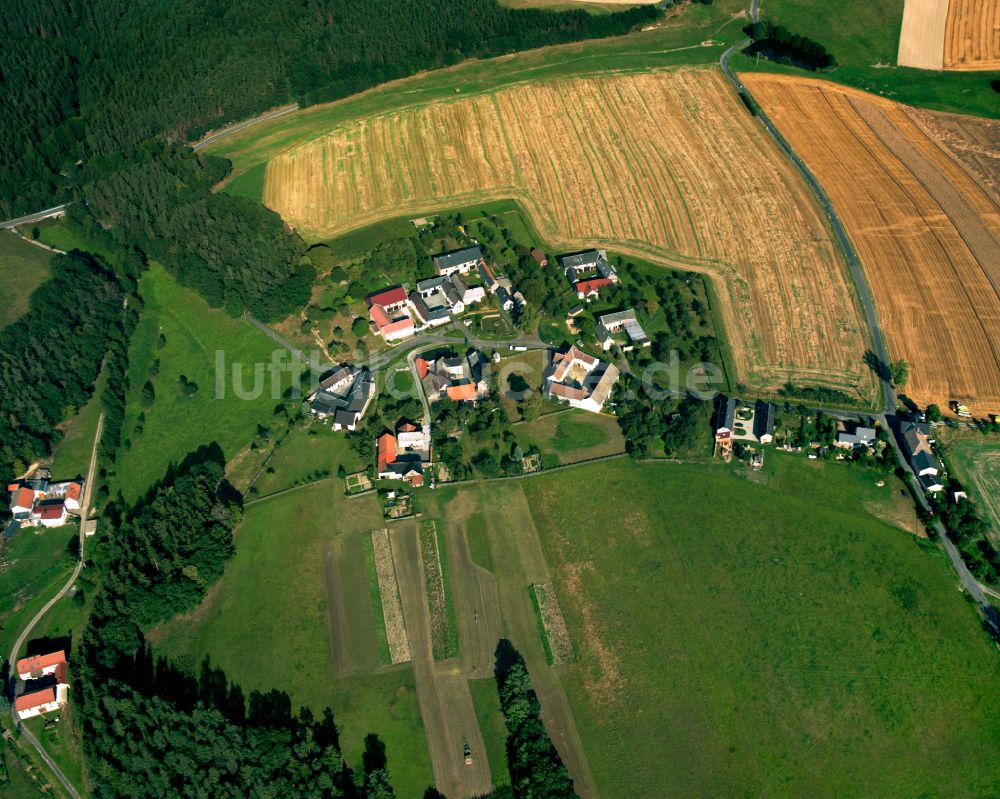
972, 35
927, 234
663, 165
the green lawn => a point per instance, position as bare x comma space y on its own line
266, 624
493, 728
311, 450
737, 637
71, 455
573, 435
196, 339
56, 233
976, 463
23, 268
863, 34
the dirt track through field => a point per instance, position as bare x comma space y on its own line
336, 611
442, 690
664, 165
926, 232
972, 35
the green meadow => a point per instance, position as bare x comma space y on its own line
23, 268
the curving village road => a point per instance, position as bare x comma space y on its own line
26, 734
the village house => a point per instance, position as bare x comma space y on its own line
917, 443
36, 666
343, 396
589, 272
47, 687
458, 261
41, 502
390, 313
462, 378
612, 323
401, 456
581, 380
539, 257
861, 437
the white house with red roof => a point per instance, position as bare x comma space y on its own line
46, 699
39, 502
401, 456
390, 313
37, 666
581, 380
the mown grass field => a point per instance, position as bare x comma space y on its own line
570, 436
267, 624
977, 464
23, 268
176, 425
739, 638
71, 455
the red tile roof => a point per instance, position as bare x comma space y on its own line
592, 286
39, 662
35, 699
417, 480
379, 316
386, 450
51, 511
73, 491
421, 368
538, 255
466, 392
407, 427
567, 392
24, 498
394, 327
392, 296
12, 487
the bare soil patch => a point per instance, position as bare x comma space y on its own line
392, 610
921, 37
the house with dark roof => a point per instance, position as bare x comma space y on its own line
917, 442
458, 261
344, 397
763, 421
725, 418
401, 456
462, 378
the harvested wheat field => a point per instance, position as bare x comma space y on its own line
973, 141
922, 33
972, 35
927, 233
667, 165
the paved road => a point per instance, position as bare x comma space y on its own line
969, 583
84, 510
214, 137
35, 217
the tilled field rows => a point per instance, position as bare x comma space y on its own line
664, 165
972, 35
395, 629
926, 232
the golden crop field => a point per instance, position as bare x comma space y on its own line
972, 35
665, 165
927, 234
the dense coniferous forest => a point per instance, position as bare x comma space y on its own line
51, 356
86, 80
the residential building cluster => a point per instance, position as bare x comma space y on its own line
46, 684
580, 380
343, 396
739, 421
40, 501
402, 455
589, 272
462, 378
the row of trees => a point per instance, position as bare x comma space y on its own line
51, 356
680, 425
777, 43
152, 729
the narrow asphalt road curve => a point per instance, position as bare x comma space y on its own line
35, 217
214, 137
84, 509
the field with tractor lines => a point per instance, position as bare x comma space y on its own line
927, 233
663, 165
972, 35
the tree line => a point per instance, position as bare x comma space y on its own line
51, 356
777, 43
152, 728
88, 80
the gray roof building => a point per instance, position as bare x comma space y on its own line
457, 258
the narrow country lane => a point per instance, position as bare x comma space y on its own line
84, 510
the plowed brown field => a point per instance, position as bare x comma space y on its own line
927, 233
972, 35
666, 165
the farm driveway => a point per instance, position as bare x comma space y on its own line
443, 692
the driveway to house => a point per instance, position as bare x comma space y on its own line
84, 510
